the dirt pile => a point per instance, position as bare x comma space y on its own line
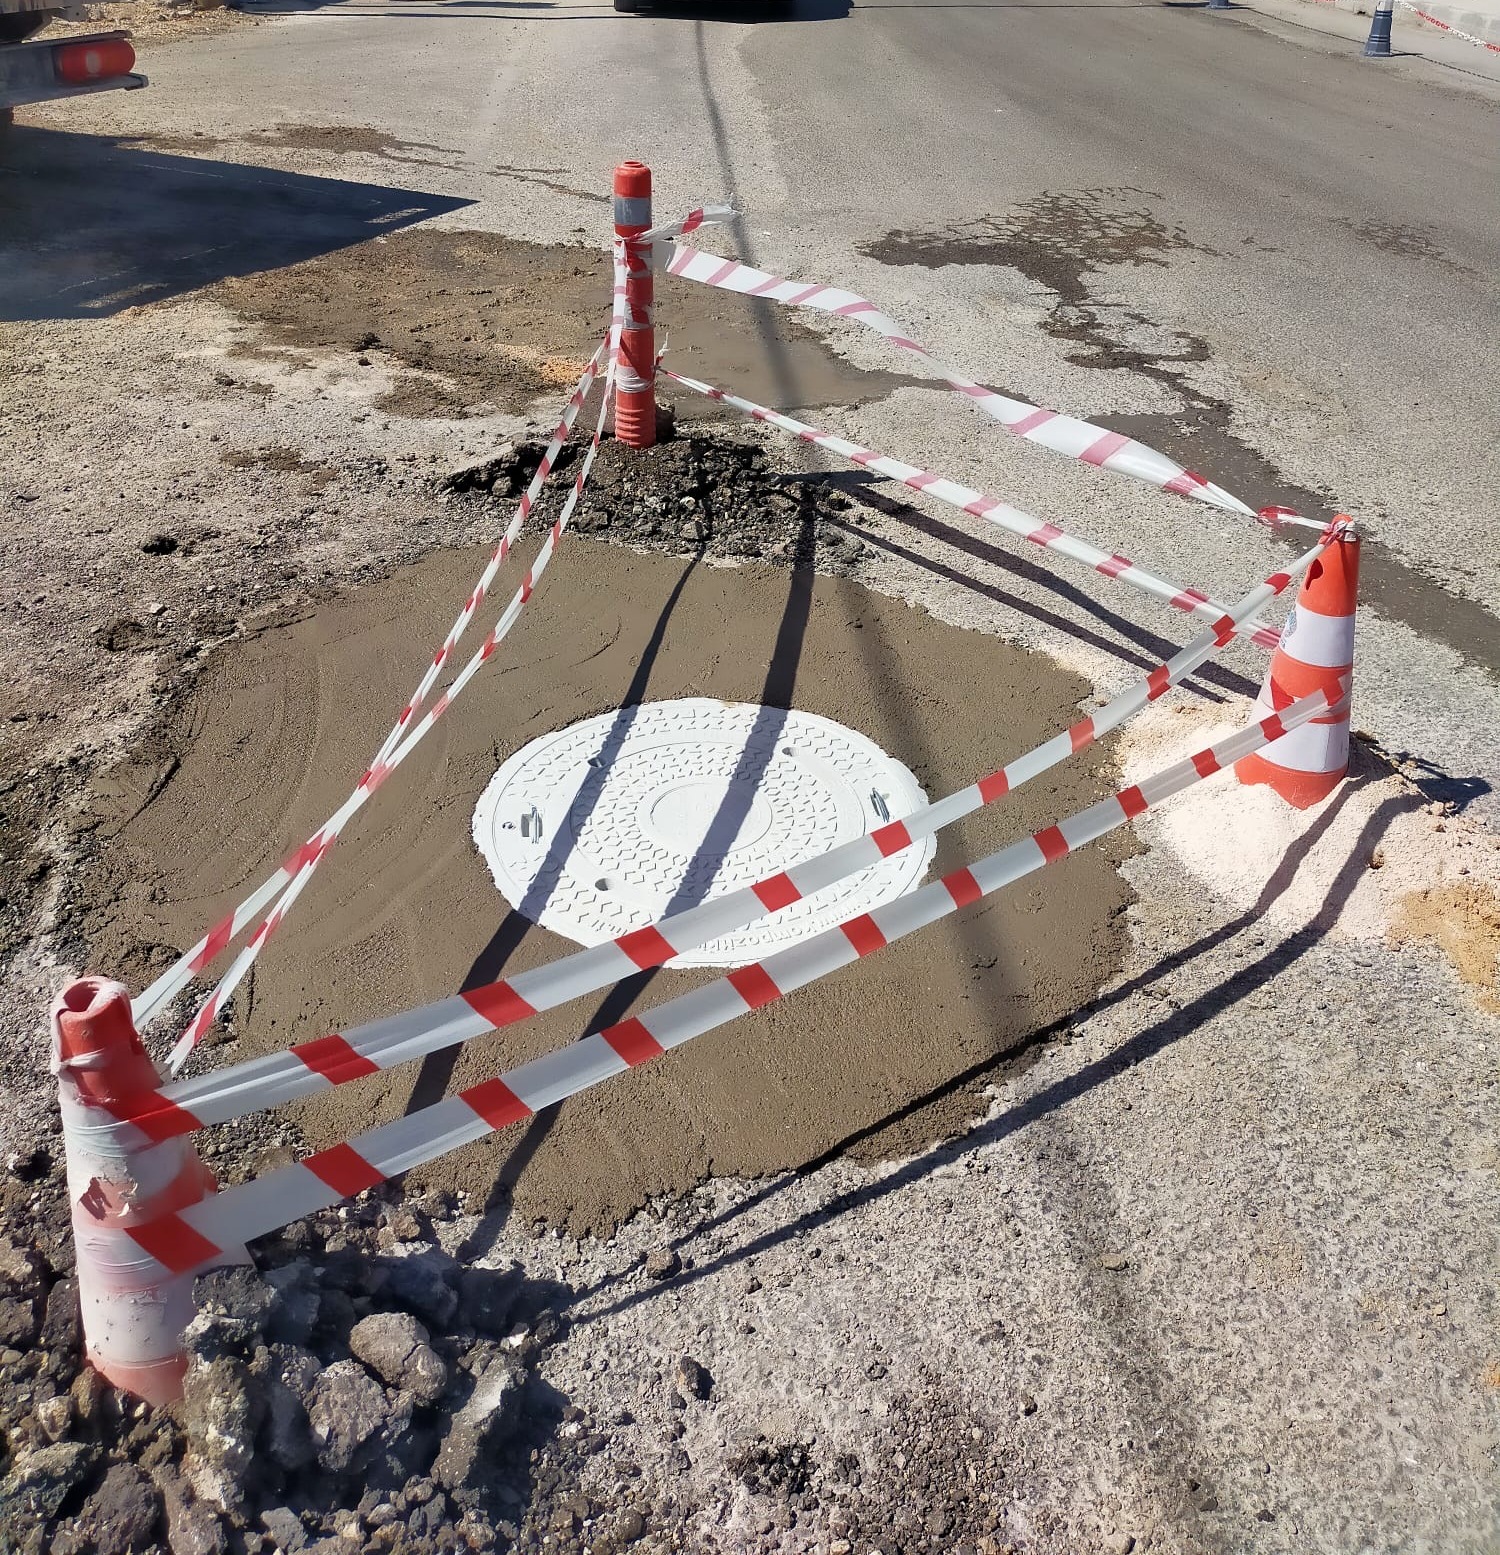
362, 1393
1463, 919
701, 493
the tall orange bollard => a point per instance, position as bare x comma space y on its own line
1316, 654
134, 1311
635, 383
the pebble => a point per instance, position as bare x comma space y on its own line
55, 1415
693, 1378
662, 1263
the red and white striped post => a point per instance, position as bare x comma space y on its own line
122, 1181
635, 383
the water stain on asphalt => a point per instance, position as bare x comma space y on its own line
547, 178
341, 140
1060, 240
1055, 239
1408, 242
473, 322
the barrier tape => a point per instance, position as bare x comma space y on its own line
635, 254
704, 216
1468, 37
185, 1239
182, 971
980, 504
378, 774
1063, 434
383, 1044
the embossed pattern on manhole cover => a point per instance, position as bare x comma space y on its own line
614, 822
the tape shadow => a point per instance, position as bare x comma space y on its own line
698, 879
1134, 645
96, 224
1183, 1021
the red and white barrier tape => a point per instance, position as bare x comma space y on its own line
328, 1061
979, 504
183, 1240
378, 774
704, 216
171, 982
636, 255
1063, 434
1468, 37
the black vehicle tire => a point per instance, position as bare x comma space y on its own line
627, 6
17, 26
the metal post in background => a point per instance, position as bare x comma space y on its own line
1378, 44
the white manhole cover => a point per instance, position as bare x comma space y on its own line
612, 823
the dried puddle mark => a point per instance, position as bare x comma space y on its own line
332, 139
1408, 242
1060, 240
546, 178
482, 323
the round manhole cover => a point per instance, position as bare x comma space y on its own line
615, 822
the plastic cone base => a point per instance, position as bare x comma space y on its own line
1301, 790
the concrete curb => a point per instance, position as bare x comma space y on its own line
1479, 17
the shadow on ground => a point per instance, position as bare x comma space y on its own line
609, 1292
94, 224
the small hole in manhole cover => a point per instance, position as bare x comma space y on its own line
604, 883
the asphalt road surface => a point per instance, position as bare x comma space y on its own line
1231, 233
1226, 234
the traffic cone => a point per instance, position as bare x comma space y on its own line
134, 1311
1316, 654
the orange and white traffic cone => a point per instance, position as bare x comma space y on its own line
1316, 654
134, 1311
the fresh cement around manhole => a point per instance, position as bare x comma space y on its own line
617, 822
877, 1060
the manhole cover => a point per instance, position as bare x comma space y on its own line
612, 823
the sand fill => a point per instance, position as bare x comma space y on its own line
881, 1057
486, 322
1463, 919
1374, 861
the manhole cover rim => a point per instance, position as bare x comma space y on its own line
551, 808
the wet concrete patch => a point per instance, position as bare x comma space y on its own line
1060, 241
484, 323
879, 1059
